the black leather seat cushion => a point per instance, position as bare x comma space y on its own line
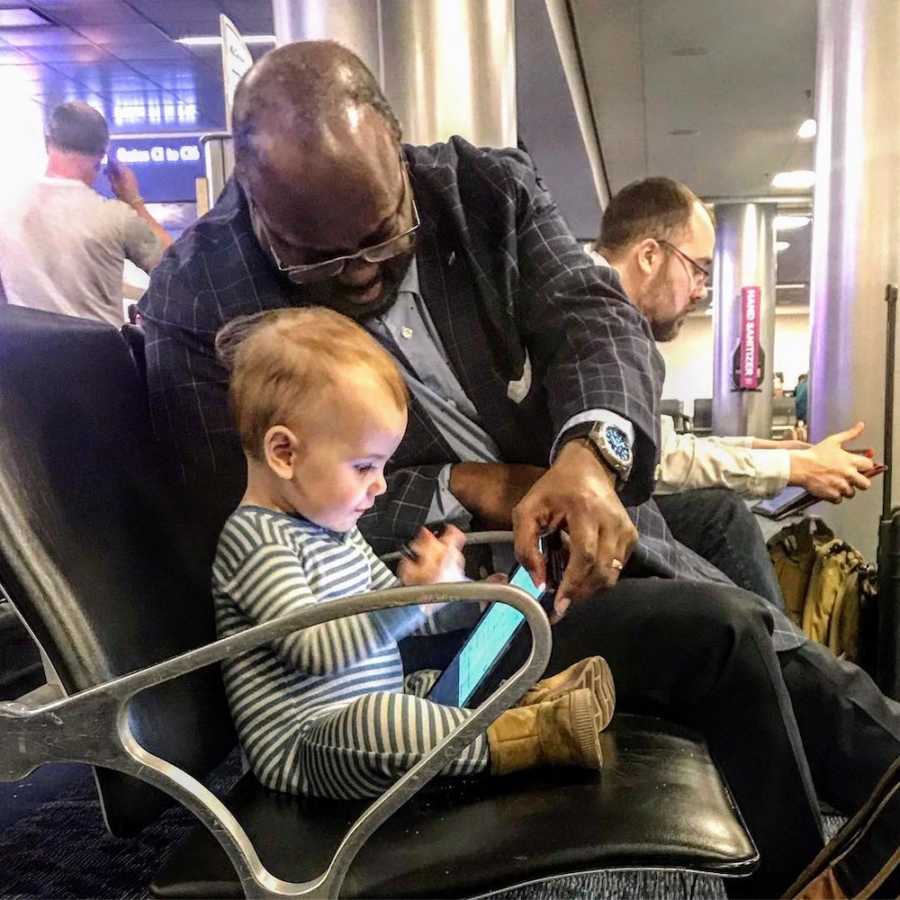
659, 803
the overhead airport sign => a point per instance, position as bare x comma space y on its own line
165, 167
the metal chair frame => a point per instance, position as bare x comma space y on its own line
92, 727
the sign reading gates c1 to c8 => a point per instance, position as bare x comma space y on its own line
166, 168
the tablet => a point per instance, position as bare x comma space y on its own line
787, 502
475, 666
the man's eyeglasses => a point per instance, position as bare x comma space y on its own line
700, 273
329, 268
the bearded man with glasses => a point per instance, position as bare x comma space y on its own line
534, 389
658, 237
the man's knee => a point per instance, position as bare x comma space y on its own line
694, 615
725, 506
724, 616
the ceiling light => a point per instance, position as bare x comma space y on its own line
21, 17
790, 223
807, 131
781, 245
798, 179
213, 40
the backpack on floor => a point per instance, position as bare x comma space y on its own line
829, 589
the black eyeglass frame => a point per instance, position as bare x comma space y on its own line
707, 275
331, 268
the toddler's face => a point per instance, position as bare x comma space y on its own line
340, 470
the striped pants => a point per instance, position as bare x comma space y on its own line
362, 748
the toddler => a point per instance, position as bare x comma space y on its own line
320, 408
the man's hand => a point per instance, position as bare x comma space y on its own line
830, 472
436, 560
491, 490
124, 183
578, 494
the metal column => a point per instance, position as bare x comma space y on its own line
353, 23
744, 261
446, 66
856, 233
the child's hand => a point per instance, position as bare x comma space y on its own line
436, 560
496, 578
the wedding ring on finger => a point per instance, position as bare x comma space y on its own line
616, 564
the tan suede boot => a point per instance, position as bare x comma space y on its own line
561, 732
592, 673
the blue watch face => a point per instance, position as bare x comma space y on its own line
618, 443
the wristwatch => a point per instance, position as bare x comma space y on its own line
609, 442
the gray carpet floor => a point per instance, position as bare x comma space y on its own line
53, 844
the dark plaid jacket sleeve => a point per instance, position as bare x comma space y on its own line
594, 347
547, 307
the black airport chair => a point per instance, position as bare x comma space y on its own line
784, 416
702, 418
675, 409
99, 564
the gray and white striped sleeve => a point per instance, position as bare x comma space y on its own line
271, 582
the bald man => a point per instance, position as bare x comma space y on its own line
534, 384
63, 245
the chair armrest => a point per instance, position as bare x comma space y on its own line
92, 727
40, 696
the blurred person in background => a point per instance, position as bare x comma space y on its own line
801, 395
62, 244
778, 384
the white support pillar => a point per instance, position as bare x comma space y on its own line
856, 234
446, 66
743, 319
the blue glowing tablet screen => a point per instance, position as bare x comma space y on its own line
491, 637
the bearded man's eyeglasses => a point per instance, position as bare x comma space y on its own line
329, 268
700, 273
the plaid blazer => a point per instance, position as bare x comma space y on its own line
535, 332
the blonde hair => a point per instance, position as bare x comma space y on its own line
280, 361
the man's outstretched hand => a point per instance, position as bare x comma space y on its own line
830, 472
578, 494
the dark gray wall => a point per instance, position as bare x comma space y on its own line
547, 123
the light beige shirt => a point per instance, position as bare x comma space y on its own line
63, 247
687, 462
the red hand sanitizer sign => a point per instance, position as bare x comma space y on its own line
749, 359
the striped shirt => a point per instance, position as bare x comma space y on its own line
269, 564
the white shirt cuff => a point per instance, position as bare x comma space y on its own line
444, 506
773, 471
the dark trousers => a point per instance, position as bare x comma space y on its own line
701, 655
851, 730
716, 524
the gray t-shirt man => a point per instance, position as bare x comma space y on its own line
63, 246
